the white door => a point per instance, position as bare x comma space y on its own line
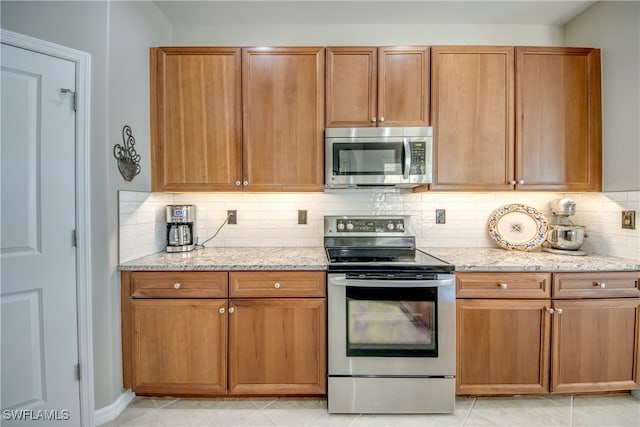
38, 256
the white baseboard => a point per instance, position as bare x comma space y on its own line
111, 412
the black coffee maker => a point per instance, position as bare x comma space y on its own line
180, 228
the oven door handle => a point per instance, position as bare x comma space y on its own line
368, 283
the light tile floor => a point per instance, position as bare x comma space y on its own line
612, 410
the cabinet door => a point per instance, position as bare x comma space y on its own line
283, 106
595, 345
403, 86
277, 346
352, 86
472, 101
196, 119
179, 346
502, 346
558, 119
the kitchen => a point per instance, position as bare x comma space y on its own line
264, 218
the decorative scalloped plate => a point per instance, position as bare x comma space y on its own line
518, 227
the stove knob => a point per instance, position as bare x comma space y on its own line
341, 226
349, 226
390, 226
400, 226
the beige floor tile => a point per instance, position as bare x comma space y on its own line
614, 410
463, 405
521, 411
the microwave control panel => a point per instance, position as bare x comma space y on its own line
418, 154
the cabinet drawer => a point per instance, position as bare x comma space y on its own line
596, 284
503, 285
179, 284
277, 284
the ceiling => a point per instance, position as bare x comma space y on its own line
556, 12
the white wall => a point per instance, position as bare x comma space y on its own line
366, 34
614, 27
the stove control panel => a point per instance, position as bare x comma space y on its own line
370, 225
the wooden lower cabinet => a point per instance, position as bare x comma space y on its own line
274, 346
503, 346
595, 345
179, 346
585, 338
182, 334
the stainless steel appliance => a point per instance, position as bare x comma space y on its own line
564, 236
180, 228
378, 157
391, 319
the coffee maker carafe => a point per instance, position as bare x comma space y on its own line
180, 228
564, 236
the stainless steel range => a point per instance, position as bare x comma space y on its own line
391, 319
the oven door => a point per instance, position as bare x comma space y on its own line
391, 327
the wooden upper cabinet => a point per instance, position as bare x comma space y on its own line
369, 86
472, 101
196, 119
558, 103
283, 118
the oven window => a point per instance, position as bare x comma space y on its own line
386, 322
364, 158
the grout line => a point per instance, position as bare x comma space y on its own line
473, 404
572, 407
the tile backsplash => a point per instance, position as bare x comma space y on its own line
271, 219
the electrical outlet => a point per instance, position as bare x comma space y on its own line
440, 216
629, 219
232, 217
302, 216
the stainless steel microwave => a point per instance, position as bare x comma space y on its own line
398, 157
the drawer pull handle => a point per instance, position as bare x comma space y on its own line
276, 285
503, 286
558, 311
600, 285
221, 310
176, 286
550, 311
232, 310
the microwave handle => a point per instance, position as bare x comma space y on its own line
407, 158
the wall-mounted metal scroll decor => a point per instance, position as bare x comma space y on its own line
128, 159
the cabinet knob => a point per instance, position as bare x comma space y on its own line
521, 181
381, 119
238, 183
276, 285
550, 310
373, 119
245, 183
221, 310
512, 183
176, 286
600, 285
558, 311
503, 286
232, 310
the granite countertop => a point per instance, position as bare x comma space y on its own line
233, 259
495, 259
314, 258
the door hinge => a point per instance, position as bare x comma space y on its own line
77, 372
75, 97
